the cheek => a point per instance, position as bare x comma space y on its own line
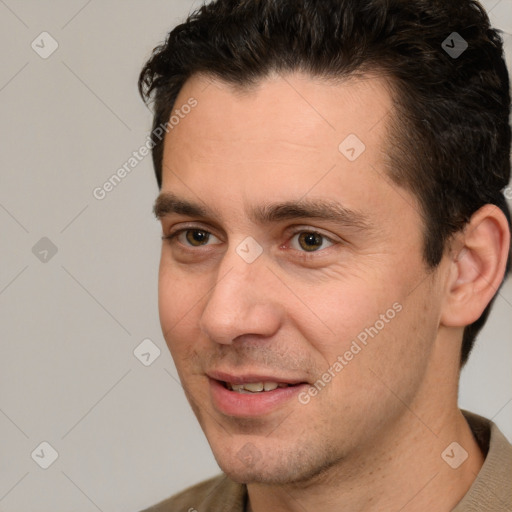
336, 312
395, 352
370, 362
179, 300
369, 320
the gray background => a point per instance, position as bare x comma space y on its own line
69, 324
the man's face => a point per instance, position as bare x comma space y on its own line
264, 288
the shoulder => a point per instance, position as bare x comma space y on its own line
218, 494
492, 488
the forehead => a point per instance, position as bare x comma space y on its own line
295, 108
283, 139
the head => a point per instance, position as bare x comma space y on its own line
351, 120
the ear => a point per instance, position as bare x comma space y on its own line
477, 266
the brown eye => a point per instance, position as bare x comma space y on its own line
192, 238
311, 241
197, 237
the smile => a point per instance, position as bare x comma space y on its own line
246, 397
254, 387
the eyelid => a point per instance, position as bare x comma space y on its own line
185, 226
309, 255
173, 238
294, 230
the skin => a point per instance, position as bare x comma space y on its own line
372, 438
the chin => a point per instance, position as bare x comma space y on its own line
256, 475
250, 465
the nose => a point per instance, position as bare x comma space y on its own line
242, 301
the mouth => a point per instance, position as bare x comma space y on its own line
255, 387
252, 395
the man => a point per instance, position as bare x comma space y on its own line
335, 232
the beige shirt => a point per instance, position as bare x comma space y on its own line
491, 491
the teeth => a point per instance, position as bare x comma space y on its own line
255, 387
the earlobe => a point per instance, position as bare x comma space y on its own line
477, 266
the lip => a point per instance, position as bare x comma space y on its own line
249, 405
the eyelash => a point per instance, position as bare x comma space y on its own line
305, 254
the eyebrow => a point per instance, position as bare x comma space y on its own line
168, 203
